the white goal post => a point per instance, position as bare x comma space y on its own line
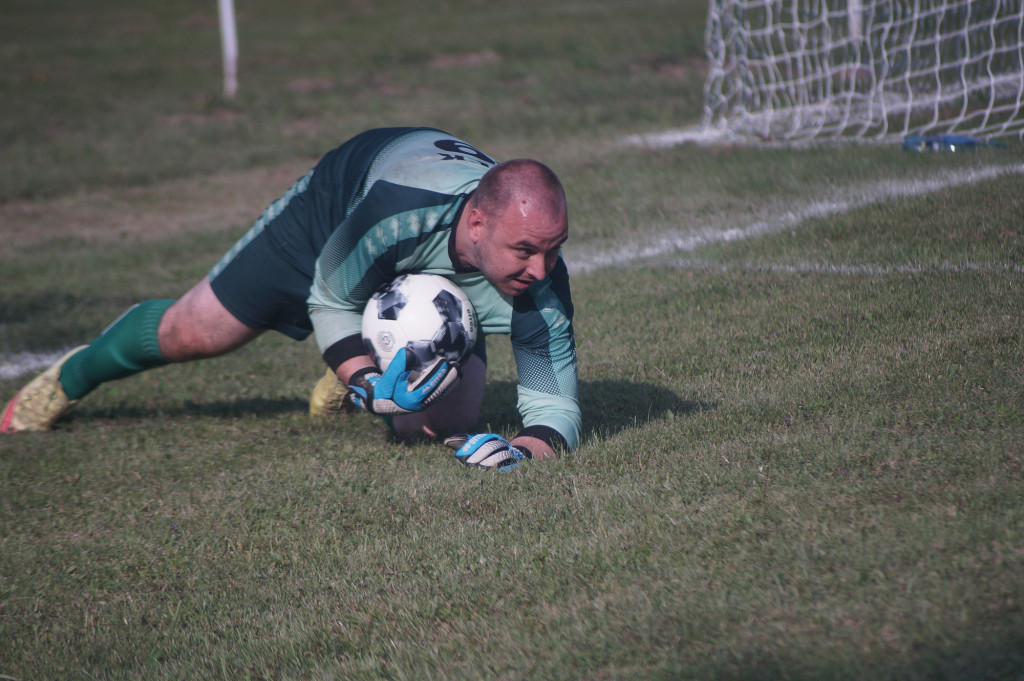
229, 46
875, 70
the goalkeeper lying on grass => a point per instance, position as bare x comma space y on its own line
386, 202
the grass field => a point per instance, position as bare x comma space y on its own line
802, 373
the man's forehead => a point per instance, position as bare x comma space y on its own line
538, 230
550, 233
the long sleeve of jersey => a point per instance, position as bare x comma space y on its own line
545, 351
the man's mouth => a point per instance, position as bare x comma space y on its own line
520, 285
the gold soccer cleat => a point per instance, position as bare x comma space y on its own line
40, 403
328, 396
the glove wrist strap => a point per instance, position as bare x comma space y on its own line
359, 380
359, 376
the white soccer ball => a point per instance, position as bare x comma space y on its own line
425, 313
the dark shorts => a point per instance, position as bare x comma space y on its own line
264, 280
263, 290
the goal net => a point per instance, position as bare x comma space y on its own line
792, 70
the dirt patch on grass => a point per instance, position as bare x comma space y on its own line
452, 61
310, 85
673, 68
196, 204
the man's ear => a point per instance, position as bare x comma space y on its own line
476, 224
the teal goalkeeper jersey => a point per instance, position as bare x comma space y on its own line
390, 207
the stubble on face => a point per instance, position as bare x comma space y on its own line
520, 246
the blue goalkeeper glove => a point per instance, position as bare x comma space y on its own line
392, 393
487, 450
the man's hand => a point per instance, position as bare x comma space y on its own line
487, 450
391, 392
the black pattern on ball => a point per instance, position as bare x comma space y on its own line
392, 302
449, 342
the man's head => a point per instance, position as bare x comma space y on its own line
514, 225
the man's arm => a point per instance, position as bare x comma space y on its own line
544, 347
539, 448
351, 366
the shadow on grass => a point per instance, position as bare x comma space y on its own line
1000, 657
608, 406
223, 409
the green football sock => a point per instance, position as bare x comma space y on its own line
128, 346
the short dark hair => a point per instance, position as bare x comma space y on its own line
502, 183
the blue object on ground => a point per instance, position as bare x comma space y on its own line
945, 143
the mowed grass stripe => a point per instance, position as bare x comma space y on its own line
636, 249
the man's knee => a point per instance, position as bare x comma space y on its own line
198, 326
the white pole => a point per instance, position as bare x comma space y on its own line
229, 43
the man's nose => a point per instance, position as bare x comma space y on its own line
536, 267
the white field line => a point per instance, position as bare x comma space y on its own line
20, 363
644, 248
849, 270
671, 138
688, 240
